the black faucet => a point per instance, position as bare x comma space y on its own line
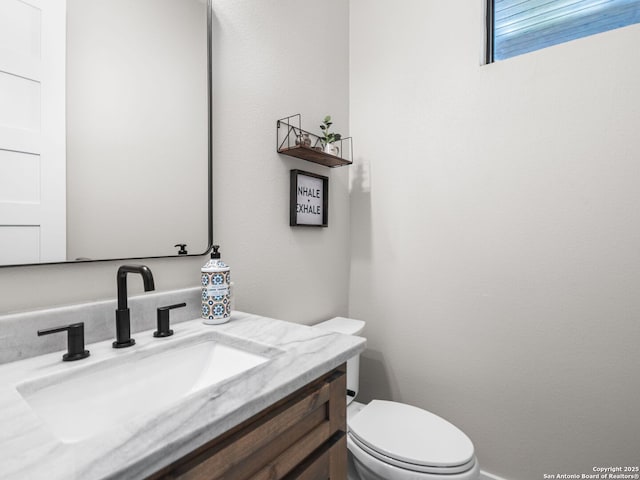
123, 323
75, 340
163, 320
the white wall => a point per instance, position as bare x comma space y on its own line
279, 58
495, 234
272, 58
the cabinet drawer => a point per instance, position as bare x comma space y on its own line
328, 462
277, 442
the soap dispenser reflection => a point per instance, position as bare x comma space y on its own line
216, 290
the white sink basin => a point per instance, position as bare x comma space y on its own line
79, 403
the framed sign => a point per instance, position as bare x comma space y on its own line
309, 200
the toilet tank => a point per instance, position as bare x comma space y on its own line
347, 326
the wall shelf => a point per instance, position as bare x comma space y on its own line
292, 140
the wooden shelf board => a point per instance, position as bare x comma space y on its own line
315, 156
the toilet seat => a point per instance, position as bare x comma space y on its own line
370, 468
412, 439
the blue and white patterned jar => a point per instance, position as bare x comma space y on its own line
216, 290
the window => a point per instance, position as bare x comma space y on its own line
519, 26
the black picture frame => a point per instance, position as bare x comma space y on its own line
308, 199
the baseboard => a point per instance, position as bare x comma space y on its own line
489, 476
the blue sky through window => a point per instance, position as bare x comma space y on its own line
522, 26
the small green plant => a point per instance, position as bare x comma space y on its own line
328, 137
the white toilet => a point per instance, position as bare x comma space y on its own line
395, 441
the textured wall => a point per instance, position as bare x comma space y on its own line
495, 239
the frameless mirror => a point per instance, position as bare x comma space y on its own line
105, 131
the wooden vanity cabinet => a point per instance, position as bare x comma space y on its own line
300, 437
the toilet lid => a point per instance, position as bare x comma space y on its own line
409, 434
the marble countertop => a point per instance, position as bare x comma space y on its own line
146, 443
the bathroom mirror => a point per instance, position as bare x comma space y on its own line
105, 130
